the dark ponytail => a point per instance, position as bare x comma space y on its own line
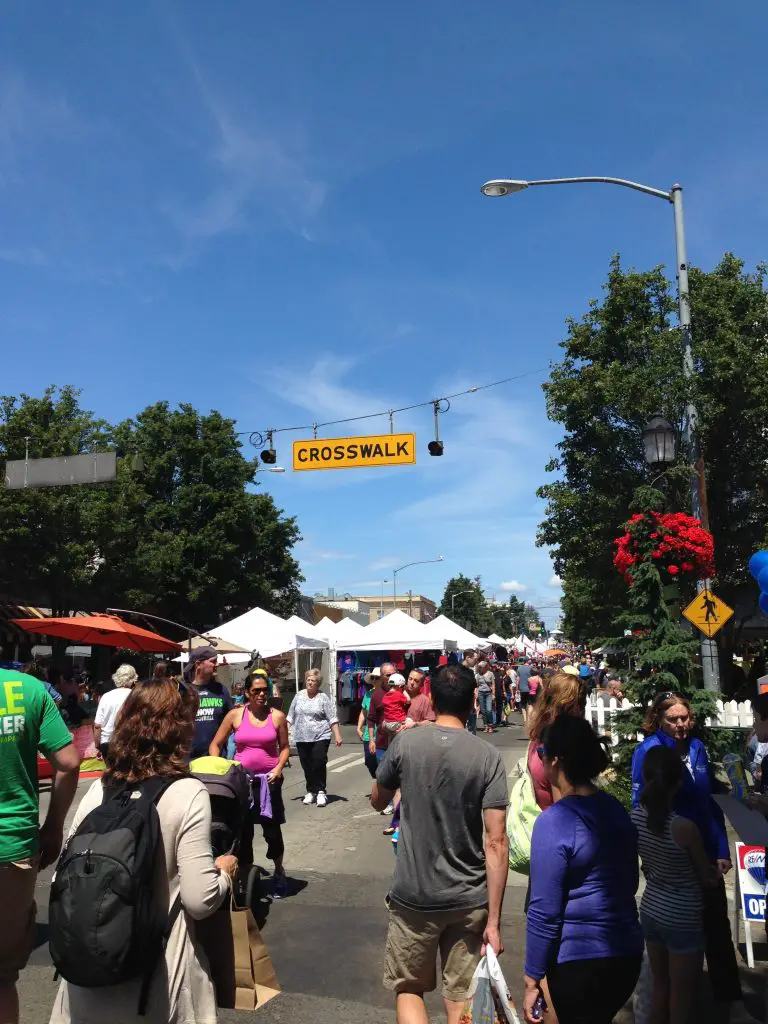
662, 776
576, 744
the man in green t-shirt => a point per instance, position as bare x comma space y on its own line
29, 721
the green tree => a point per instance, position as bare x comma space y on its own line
502, 620
191, 540
470, 608
622, 363
48, 545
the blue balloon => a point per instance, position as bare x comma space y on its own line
763, 602
762, 579
758, 562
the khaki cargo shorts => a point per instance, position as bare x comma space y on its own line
414, 940
17, 900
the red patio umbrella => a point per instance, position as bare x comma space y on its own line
107, 630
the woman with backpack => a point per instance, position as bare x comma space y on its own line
136, 873
262, 748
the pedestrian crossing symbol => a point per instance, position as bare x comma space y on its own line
708, 613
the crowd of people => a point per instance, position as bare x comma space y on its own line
585, 934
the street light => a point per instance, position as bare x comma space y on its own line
507, 186
426, 561
659, 442
458, 594
269, 469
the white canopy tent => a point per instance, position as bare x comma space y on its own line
326, 628
259, 630
442, 626
494, 638
397, 631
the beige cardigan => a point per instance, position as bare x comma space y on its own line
182, 991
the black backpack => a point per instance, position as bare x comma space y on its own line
106, 924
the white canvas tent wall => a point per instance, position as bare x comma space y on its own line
494, 638
397, 631
442, 626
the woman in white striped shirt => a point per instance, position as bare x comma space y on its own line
313, 719
676, 866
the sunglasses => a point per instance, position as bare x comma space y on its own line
259, 689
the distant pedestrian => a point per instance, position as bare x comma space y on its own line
29, 721
583, 932
440, 904
524, 673
379, 738
313, 719
363, 730
486, 686
109, 707
420, 712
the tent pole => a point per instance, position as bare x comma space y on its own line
296, 666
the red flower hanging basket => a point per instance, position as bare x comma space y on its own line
678, 544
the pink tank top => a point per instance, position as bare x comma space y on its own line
541, 786
257, 749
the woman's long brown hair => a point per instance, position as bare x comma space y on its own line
563, 694
661, 703
153, 734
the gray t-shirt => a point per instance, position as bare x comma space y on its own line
447, 778
524, 673
485, 682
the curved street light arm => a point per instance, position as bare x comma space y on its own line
607, 181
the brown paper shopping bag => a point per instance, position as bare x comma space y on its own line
241, 967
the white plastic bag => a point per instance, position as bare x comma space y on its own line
488, 999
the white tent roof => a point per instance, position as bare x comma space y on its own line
347, 634
494, 638
396, 632
258, 630
325, 628
304, 628
443, 627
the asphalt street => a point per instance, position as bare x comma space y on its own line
327, 939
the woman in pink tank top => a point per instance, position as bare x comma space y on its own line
261, 747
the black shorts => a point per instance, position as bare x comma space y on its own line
526, 699
278, 807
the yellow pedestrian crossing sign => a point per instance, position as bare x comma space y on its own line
708, 613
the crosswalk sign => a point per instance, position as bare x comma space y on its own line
708, 613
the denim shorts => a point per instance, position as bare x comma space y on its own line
682, 941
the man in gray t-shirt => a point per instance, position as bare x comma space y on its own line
451, 866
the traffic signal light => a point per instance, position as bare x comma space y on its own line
269, 456
435, 447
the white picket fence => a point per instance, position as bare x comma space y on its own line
730, 715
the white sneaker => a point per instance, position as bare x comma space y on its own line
309, 799
389, 809
322, 799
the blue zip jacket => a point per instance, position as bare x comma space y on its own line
694, 798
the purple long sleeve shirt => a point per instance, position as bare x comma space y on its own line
584, 876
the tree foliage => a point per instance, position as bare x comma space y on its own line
186, 537
622, 363
470, 609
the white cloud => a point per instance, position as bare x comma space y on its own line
250, 165
514, 587
555, 582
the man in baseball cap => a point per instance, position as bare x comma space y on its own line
215, 700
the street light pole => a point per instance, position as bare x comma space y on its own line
507, 186
381, 606
427, 561
453, 599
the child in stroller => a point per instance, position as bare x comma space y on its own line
230, 792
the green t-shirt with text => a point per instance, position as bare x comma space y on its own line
29, 721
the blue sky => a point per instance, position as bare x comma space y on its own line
274, 210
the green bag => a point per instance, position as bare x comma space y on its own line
523, 812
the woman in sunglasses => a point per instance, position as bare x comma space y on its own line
583, 932
670, 723
261, 747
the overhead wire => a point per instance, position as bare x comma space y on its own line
262, 434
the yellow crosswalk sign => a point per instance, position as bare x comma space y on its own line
708, 613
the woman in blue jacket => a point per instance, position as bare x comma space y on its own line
669, 722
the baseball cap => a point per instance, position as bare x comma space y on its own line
396, 679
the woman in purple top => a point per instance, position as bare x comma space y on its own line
583, 932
